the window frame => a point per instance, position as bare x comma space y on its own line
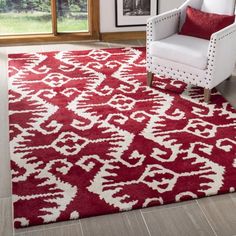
92, 34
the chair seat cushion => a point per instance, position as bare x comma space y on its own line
182, 49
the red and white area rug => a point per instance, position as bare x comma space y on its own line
88, 137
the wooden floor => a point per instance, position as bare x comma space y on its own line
207, 216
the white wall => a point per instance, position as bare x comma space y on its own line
166, 5
107, 15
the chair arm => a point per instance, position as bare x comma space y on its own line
225, 32
163, 25
222, 54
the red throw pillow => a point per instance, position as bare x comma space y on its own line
202, 24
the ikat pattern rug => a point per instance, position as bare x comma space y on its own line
88, 137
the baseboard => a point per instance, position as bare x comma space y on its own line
113, 36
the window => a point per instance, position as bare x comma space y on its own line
72, 16
48, 20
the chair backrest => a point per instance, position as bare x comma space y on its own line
219, 6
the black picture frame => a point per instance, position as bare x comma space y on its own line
134, 15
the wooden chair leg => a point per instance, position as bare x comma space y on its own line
207, 95
149, 78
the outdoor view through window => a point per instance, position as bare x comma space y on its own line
35, 16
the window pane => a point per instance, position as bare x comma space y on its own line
72, 15
25, 17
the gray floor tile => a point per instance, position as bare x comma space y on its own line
67, 230
24, 49
121, 224
182, 220
142, 42
228, 90
45, 227
84, 46
5, 180
6, 228
221, 213
124, 43
172, 205
74, 46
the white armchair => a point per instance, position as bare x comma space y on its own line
196, 61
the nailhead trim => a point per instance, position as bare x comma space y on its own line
166, 18
184, 76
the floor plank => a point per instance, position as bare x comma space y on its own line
228, 90
221, 213
46, 227
5, 178
24, 49
186, 219
171, 205
66, 230
121, 224
125, 43
5, 217
74, 46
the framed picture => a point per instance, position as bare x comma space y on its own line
134, 12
